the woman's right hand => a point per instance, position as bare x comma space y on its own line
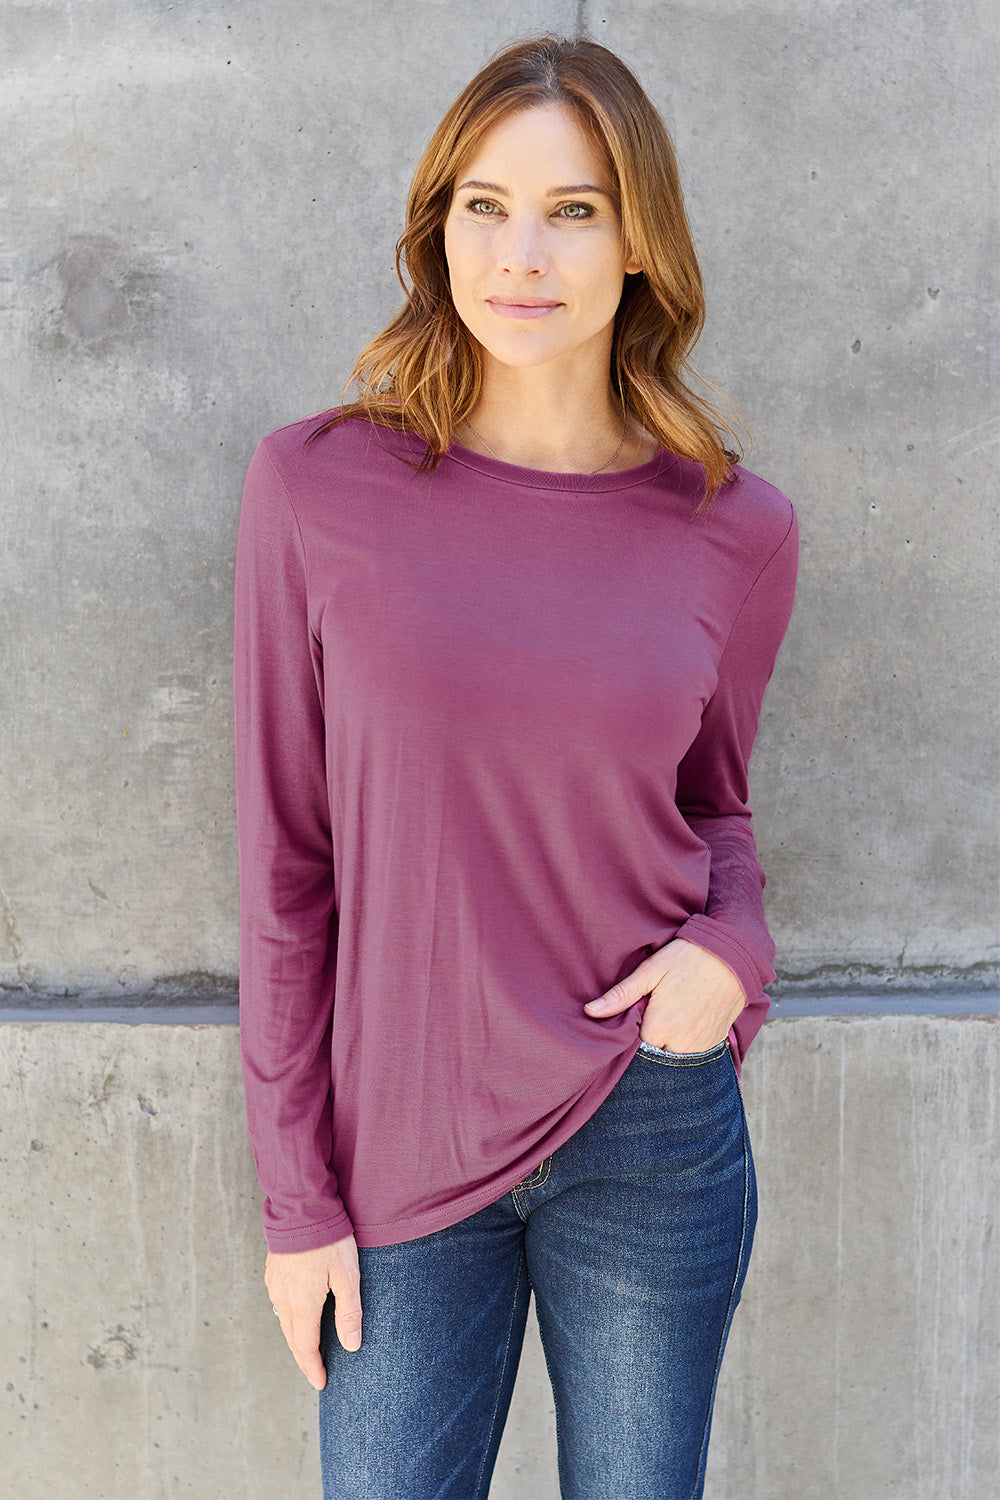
298, 1284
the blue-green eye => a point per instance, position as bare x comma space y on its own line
483, 206
576, 211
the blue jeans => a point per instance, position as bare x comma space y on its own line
634, 1237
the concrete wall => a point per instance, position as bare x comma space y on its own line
199, 205
200, 208
139, 1359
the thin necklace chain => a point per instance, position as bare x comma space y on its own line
588, 471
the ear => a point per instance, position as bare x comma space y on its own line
632, 266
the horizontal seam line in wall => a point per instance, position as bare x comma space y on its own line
969, 1003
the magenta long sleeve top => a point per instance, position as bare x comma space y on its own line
492, 735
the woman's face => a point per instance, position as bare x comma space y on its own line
533, 241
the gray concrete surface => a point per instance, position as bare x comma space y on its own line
139, 1359
199, 203
200, 206
837, 157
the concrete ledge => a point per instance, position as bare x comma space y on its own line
123, 1014
140, 1358
788, 1001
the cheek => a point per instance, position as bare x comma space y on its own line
460, 256
606, 284
598, 268
449, 248
460, 262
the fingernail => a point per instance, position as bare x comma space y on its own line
600, 1004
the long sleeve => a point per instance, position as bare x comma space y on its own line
492, 732
288, 917
712, 785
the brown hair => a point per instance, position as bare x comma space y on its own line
423, 372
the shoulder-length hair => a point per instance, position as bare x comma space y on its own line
422, 374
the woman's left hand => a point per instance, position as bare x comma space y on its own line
694, 997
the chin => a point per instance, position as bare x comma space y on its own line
519, 354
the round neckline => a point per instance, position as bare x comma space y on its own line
551, 479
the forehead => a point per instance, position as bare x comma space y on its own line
541, 139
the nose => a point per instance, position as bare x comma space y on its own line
522, 248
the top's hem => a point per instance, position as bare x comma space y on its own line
398, 1231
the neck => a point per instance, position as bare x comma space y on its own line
529, 418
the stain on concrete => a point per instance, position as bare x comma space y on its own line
118, 1349
147, 1106
94, 306
101, 1093
11, 946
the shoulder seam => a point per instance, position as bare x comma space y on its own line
265, 449
761, 571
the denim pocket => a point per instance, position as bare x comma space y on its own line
682, 1059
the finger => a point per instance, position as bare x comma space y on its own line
302, 1337
347, 1315
313, 1369
618, 998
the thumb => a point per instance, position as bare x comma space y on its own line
347, 1318
621, 995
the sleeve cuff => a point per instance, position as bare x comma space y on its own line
712, 936
308, 1236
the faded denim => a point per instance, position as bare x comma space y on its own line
634, 1238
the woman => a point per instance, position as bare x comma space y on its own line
504, 626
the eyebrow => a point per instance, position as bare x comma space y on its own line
556, 192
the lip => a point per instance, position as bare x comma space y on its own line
522, 307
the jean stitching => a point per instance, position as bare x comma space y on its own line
682, 1059
700, 1477
535, 1180
503, 1366
555, 1398
545, 1169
